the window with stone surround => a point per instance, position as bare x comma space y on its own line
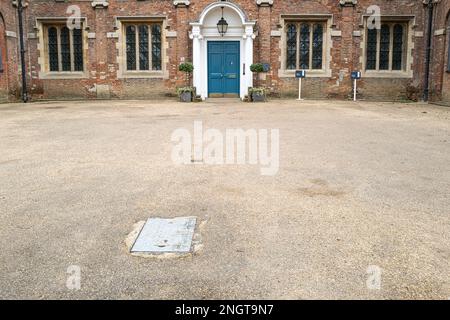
64, 48
305, 45
386, 47
143, 46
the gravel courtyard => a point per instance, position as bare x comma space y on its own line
359, 185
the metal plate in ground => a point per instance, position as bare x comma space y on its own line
166, 235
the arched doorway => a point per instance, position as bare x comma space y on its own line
222, 62
3, 62
446, 71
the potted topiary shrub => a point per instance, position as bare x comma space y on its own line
257, 94
186, 93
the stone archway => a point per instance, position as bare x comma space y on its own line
204, 30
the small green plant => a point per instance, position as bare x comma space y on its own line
185, 89
187, 68
257, 90
257, 68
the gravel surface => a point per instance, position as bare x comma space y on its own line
359, 184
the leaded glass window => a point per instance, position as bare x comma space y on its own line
64, 49
78, 49
385, 43
131, 47
397, 48
143, 47
156, 47
371, 49
304, 45
385, 48
53, 55
291, 55
317, 47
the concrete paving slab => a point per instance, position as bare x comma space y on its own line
166, 235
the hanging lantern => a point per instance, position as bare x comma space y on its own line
222, 25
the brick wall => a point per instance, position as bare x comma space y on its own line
9, 84
345, 53
440, 78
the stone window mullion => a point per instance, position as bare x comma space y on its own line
150, 44
391, 47
136, 45
324, 45
311, 42
72, 56
378, 49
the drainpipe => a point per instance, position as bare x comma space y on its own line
426, 92
22, 51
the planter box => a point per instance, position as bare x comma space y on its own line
258, 97
186, 97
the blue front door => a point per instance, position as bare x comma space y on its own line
223, 68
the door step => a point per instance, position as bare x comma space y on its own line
223, 100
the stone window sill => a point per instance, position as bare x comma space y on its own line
63, 75
309, 73
387, 74
142, 75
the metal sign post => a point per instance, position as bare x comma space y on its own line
300, 74
356, 75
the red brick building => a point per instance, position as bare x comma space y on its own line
83, 49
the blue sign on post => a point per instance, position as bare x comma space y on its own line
300, 73
356, 75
